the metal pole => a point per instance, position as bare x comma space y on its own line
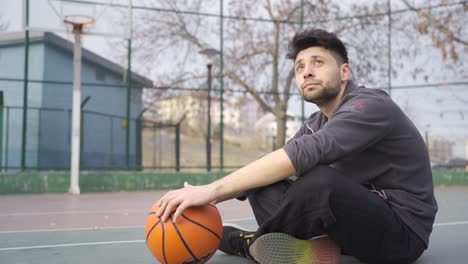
1, 129
301, 24
25, 87
76, 116
208, 132
82, 105
426, 136
138, 132
273, 145
7, 145
177, 147
221, 70
389, 8
129, 86
154, 146
138, 143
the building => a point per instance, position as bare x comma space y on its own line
239, 118
49, 100
266, 127
440, 150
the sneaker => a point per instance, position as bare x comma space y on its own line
236, 241
276, 248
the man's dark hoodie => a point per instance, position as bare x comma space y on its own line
369, 139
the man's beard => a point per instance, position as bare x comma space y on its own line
328, 91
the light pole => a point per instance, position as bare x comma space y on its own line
208, 132
210, 53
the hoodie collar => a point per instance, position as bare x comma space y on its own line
350, 87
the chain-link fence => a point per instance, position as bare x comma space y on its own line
415, 50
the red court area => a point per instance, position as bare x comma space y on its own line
90, 210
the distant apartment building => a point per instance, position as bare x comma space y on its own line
466, 154
440, 150
266, 127
239, 115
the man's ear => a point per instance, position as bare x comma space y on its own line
345, 72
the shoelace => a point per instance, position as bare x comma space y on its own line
246, 237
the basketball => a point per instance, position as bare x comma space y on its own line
194, 238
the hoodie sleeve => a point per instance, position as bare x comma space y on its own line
356, 125
304, 130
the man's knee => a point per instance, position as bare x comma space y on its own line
315, 183
272, 191
319, 178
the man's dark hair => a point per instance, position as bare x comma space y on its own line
317, 38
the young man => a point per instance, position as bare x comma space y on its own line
364, 177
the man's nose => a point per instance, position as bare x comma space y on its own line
308, 72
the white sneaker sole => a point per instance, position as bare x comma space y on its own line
279, 248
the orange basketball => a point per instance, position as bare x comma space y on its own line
194, 238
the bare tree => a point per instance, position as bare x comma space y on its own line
254, 49
444, 27
254, 55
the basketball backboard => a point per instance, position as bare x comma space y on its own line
112, 18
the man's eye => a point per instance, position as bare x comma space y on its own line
299, 68
318, 62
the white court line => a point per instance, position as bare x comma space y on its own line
105, 228
121, 211
70, 229
74, 245
141, 241
451, 223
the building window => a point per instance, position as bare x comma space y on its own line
100, 75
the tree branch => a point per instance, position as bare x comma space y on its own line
438, 26
233, 76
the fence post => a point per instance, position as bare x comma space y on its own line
208, 130
138, 143
129, 86
83, 103
25, 88
138, 140
1, 129
177, 143
221, 99
7, 129
177, 147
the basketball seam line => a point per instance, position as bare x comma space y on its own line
163, 244
151, 230
183, 241
202, 226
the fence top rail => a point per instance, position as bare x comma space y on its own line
146, 123
7, 79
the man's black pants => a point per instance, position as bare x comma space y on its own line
325, 202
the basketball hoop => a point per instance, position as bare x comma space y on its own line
78, 21
71, 16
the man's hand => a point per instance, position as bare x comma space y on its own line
271, 168
181, 199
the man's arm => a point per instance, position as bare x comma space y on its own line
269, 169
350, 130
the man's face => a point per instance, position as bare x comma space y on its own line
318, 75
